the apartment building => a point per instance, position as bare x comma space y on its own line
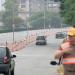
27, 7
41, 5
23, 8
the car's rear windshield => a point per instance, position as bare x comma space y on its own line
41, 37
2, 52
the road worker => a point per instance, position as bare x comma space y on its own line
67, 53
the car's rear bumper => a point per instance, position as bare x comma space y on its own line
40, 43
4, 68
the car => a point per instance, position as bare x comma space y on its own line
61, 35
7, 63
41, 40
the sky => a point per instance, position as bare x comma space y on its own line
1, 2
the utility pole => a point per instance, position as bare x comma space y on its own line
44, 13
13, 25
30, 8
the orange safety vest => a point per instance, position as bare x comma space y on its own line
68, 58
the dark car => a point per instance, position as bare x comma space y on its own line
61, 35
41, 40
7, 63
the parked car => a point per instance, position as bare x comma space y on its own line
41, 40
61, 35
7, 63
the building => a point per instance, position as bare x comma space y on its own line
23, 8
27, 7
41, 5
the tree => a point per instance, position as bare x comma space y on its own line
10, 15
52, 19
68, 11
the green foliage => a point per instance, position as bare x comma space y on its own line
37, 20
10, 15
68, 11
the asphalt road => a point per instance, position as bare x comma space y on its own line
35, 60
22, 34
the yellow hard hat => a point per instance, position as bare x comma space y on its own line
71, 32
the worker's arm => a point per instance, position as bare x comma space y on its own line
58, 54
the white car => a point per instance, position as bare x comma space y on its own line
41, 40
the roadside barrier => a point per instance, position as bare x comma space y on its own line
18, 45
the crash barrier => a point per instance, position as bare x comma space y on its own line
17, 45
47, 33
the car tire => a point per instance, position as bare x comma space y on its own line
8, 73
12, 72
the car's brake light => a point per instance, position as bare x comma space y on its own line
5, 60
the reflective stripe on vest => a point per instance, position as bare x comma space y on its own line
68, 60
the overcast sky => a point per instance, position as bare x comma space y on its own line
1, 2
